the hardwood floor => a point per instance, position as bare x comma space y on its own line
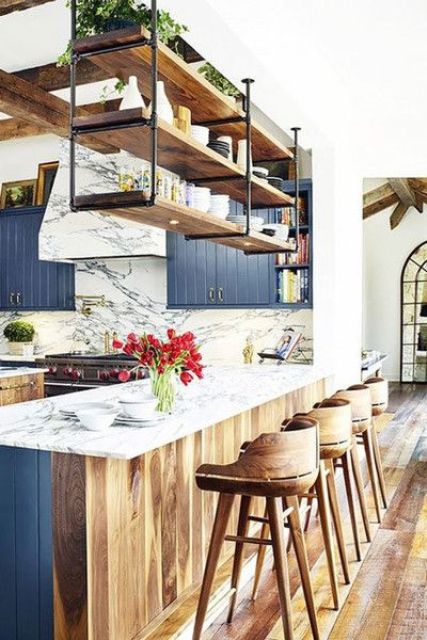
387, 599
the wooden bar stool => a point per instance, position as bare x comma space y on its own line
379, 401
359, 397
277, 467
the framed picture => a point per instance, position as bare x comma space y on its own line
287, 343
18, 194
45, 179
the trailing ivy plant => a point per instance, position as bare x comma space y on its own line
219, 81
93, 17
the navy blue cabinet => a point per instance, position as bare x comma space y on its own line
27, 283
204, 274
26, 566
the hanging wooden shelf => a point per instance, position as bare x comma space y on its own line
184, 86
180, 219
179, 153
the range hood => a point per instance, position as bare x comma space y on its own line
68, 235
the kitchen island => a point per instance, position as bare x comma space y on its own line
129, 527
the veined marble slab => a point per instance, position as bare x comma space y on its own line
8, 372
74, 235
222, 394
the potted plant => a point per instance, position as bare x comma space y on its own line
19, 335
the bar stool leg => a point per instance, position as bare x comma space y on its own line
337, 520
242, 530
325, 523
357, 473
297, 535
222, 517
351, 506
367, 443
308, 515
262, 550
379, 466
275, 516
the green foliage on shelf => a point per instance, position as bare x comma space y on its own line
93, 17
219, 81
19, 331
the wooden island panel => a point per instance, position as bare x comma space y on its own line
147, 528
21, 388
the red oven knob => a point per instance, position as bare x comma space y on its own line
75, 374
53, 371
114, 373
68, 371
104, 375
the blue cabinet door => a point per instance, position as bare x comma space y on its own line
190, 272
25, 281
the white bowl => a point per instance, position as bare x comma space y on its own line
73, 409
200, 133
142, 408
97, 419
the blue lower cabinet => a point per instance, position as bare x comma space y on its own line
27, 283
204, 274
26, 567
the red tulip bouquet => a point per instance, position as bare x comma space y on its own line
178, 356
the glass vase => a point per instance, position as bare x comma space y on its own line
163, 388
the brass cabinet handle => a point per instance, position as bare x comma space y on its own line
9, 387
221, 294
211, 294
11, 297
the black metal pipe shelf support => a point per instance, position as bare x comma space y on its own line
143, 42
100, 128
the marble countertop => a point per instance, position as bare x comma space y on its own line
223, 393
12, 372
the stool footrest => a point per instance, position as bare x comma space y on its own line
247, 540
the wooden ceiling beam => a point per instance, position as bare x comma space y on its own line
378, 199
398, 214
401, 187
50, 77
25, 101
9, 6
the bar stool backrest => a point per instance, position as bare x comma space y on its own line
379, 394
359, 397
335, 427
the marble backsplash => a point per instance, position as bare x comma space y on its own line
135, 292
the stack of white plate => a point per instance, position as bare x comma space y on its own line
202, 198
201, 134
220, 206
256, 221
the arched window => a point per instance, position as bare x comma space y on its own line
413, 349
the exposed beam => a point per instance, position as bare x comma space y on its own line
401, 187
25, 101
378, 199
9, 6
14, 128
398, 214
51, 77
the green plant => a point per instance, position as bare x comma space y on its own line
19, 331
93, 15
219, 81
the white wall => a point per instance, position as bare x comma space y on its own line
385, 252
19, 159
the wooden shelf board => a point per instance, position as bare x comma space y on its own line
292, 266
184, 86
190, 221
181, 154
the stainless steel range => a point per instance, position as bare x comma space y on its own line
76, 371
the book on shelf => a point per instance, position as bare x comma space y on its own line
288, 215
301, 257
293, 286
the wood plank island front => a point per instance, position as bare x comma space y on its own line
130, 529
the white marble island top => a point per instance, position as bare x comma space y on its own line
13, 372
223, 393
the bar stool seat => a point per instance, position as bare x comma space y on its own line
276, 466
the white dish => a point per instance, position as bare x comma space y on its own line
200, 133
123, 419
139, 409
282, 230
97, 420
260, 170
71, 410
